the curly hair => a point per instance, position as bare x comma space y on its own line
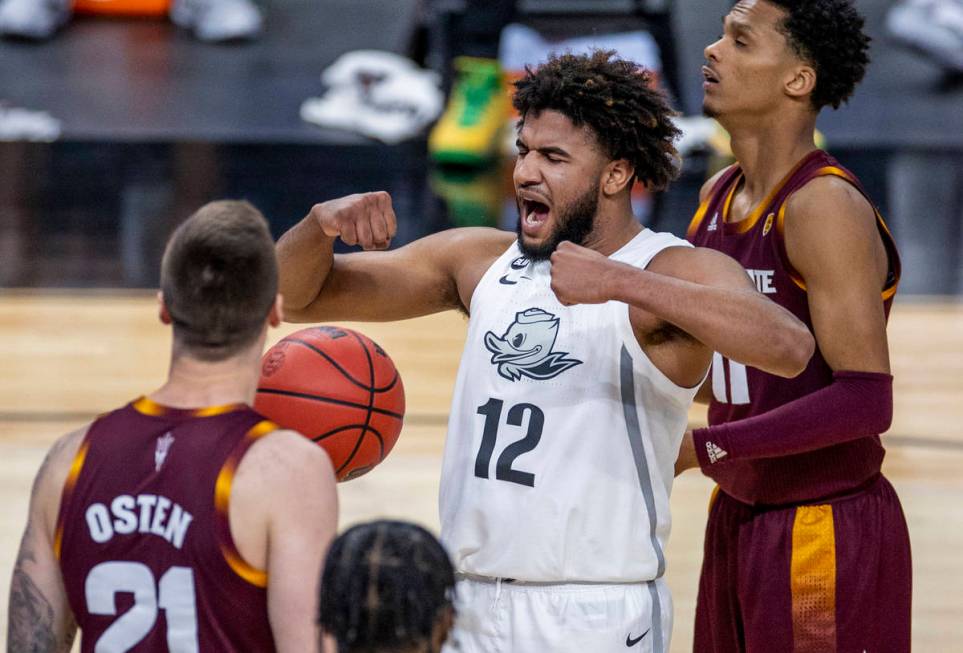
384, 586
617, 100
828, 34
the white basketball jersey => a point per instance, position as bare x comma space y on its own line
563, 435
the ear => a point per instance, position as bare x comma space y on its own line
802, 83
443, 626
276, 316
162, 312
617, 176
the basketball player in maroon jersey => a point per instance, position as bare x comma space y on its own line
806, 547
184, 521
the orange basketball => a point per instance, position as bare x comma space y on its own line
339, 388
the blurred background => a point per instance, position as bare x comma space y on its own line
118, 118
114, 128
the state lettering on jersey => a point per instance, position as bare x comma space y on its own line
525, 349
145, 513
763, 281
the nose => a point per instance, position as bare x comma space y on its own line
526, 171
711, 51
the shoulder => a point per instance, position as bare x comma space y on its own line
281, 454
468, 244
61, 455
464, 248
707, 187
50, 479
290, 479
827, 197
827, 209
700, 265
468, 253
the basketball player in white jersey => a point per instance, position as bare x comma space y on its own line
587, 339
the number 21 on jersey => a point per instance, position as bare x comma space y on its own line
736, 391
174, 594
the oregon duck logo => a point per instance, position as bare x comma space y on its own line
525, 349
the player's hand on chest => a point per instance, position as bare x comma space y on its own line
582, 276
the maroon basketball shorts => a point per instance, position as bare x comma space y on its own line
806, 579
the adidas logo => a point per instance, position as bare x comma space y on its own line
716, 453
713, 224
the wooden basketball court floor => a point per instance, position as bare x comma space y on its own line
67, 357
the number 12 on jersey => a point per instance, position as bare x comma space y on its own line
504, 471
737, 389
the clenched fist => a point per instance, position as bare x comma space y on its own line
581, 275
365, 219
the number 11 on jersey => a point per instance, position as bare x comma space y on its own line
737, 389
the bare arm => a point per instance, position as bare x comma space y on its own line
833, 242
430, 275
704, 293
294, 487
709, 296
306, 251
39, 616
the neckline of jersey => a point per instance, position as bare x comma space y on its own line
149, 407
646, 232
747, 223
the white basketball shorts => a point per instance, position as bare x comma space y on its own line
502, 616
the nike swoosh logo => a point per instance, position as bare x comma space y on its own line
506, 281
632, 642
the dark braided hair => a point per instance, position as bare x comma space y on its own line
384, 587
616, 99
828, 34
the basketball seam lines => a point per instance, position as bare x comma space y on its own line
374, 431
367, 388
370, 406
339, 402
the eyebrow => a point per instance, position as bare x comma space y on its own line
737, 24
550, 149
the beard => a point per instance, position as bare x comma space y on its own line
574, 223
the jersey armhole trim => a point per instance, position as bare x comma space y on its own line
490, 272
222, 498
892, 263
67, 492
724, 179
669, 388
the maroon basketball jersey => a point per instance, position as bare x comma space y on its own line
757, 242
143, 537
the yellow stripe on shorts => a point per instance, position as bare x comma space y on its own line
813, 580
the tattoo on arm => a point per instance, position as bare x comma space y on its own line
33, 624
31, 617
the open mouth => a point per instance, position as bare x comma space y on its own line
534, 212
709, 76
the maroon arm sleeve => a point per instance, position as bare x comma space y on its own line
854, 405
